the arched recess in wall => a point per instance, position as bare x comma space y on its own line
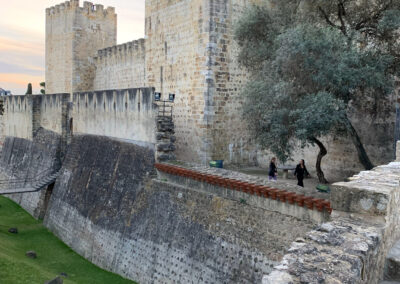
71, 125
49, 192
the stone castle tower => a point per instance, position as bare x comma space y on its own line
73, 36
188, 50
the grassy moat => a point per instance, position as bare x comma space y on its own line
53, 256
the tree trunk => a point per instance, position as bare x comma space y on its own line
321, 154
362, 154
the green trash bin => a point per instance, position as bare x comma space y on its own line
217, 164
323, 188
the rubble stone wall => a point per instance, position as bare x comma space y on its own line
352, 247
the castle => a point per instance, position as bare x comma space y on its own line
83, 158
188, 50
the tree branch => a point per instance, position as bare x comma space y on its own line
326, 17
341, 13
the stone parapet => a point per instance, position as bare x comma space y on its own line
352, 248
270, 198
342, 251
369, 192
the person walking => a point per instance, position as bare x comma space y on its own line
273, 171
301, 172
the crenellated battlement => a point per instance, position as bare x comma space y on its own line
88, 8
120, 65
132, 49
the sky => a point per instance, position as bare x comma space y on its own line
22, 38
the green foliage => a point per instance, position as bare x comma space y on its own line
372, 24
255, 34
53, 258
29, 89
305, 73
43, 85
320, 58
390, 21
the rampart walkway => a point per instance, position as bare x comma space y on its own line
289, 201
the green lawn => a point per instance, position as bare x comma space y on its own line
53, 256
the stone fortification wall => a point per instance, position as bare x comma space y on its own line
190, 51
108, 209
229, 133
23, 159
17, 117
53, 111
35, 141
287, 199
126, 114
74, 34
120, 67
176, 56
352, 248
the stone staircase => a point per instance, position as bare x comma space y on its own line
392, 265
41, 183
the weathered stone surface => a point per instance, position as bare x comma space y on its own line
74, 35
162, 157
165, 147
392, 265
23, 158
120, 113
31, 254
107, 208
368, 192
352, 247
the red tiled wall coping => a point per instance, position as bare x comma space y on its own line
250, 188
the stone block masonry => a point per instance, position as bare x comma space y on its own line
165, 137
352, 247
120, 66
74, 34
272, 197
189, 50
109, 209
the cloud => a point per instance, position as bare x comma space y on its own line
20, 69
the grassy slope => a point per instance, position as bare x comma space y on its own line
53, 258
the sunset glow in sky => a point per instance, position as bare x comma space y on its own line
22, 38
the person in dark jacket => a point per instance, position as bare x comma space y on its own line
301, 172
273, 172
